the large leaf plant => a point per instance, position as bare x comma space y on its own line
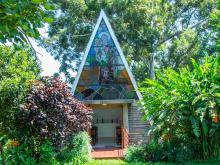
185, 105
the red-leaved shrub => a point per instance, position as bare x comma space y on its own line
51, 112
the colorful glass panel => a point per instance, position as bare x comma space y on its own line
104, 76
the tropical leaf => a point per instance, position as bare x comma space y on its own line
212, 131
217, 95
195, 126
205, 128
199, 97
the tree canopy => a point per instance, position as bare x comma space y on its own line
215, 26
171, 32
21, 19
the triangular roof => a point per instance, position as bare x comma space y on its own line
104, 20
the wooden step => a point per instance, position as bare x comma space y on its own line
108, 153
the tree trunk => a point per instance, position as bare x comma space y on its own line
151, 69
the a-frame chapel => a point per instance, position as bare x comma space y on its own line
105, 83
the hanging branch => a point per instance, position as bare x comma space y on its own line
28, 41
203, 22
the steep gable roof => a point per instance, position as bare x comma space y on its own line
102, 56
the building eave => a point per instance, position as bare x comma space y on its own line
115, 101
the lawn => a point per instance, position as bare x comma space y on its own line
121, 162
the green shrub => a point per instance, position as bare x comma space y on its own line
155, 152
16, 153
150, 152
176, 151
47, 153
135, 154
78, 151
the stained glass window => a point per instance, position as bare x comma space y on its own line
104, 76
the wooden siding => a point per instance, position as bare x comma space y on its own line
137, 128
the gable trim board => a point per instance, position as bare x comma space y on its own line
103, 17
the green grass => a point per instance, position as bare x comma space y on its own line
121, 162
110, 162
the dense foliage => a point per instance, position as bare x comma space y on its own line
185, 106
17, 69
21, 18
214, 24
51, 112
135, 154
47, 126
171, 31
16, 153
77, 151
171, 151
